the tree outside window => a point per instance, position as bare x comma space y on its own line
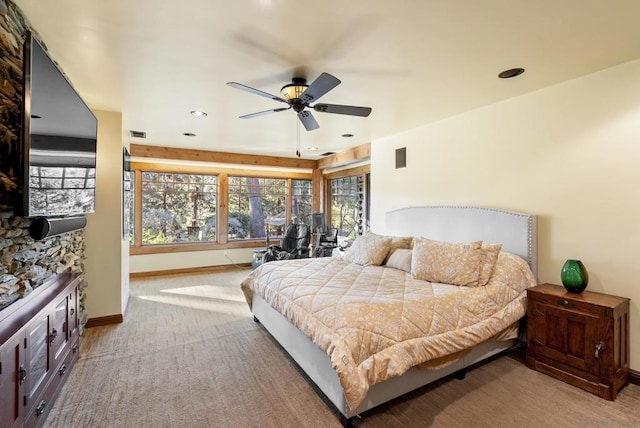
257, 206
178, 207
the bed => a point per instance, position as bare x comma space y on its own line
304, 305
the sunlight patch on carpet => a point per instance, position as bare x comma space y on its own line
209, 291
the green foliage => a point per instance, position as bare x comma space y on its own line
178, 208
182, 207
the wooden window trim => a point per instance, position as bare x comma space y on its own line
201, 169
196, 246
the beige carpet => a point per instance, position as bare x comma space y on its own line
190, 355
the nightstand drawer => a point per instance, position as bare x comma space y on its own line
568, 304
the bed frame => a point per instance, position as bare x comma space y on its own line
516, 232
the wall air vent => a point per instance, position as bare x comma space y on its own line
138, 134
401, 158
328, 153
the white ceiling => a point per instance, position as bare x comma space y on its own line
412, 61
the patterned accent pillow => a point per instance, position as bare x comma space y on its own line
401, 241
488, 258
396, 241
400, 258
368, 249
445, 262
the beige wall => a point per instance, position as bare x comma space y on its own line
569, 153
192, 259
107, 256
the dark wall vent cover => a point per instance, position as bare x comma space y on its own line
138, 134
401, 157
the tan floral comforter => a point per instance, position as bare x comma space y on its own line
376, 322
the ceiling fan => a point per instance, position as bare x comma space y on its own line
299, 96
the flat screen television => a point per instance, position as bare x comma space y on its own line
59, 136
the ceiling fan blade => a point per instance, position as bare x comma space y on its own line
339, 109
308, 120
255, 91
262, 113
323, 84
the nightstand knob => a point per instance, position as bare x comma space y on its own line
599, 348
563, 302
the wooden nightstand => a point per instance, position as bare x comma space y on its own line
581, 339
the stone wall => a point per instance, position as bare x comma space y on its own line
12, 30
24, 263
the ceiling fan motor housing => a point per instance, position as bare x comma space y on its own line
292, 91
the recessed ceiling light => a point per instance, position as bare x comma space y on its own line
188, 134
347, 135
198, 113
312, 148
512, 72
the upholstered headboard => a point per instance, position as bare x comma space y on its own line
517, 232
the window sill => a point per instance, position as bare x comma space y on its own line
194, 246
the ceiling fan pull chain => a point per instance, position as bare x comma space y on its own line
298, 138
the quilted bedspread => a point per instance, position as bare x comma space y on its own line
376, 322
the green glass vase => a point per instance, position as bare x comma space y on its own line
574, 276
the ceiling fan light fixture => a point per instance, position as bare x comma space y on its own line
295, 89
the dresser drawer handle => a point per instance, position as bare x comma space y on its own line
40, 408
564, 302
22, 374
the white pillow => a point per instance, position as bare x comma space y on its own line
400, 258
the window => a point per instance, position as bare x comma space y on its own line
347, 209
198, 207
178, 207
128, 187
257, 206
301, 204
